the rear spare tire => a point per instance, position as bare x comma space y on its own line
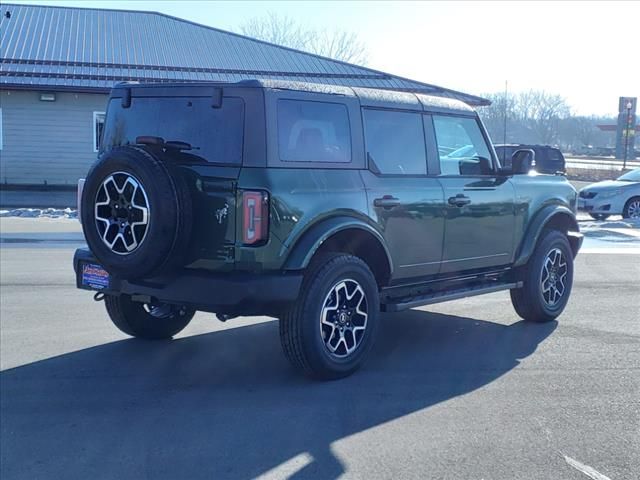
136, 213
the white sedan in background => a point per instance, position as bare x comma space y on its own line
612, 197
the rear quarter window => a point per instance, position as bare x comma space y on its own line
313, 131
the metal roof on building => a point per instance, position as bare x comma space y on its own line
92, 49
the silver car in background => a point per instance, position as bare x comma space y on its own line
612, 197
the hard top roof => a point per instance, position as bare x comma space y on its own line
369, 97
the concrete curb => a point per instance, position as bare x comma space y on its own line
58, 238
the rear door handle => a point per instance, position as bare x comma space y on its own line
459, 200
387, 201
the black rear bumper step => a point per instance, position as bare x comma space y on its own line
398, 305
232, 293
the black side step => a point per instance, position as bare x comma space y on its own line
397, 305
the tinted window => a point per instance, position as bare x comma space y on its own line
461, 147
555, 155
313, 132
215, 134
504, 155
395, 142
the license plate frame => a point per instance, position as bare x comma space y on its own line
94, 277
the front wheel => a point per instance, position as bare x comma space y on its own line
547, 280
599, 216
149, 321
328, 333
632, 208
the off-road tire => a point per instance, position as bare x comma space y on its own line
170, 214
300, 329
528, 301
625, 211
133, 318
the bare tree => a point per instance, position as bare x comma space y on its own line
283, 30
544, 112
584, 130
532, 116
494, 116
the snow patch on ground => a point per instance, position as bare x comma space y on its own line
609, 233
40, 213
608, 224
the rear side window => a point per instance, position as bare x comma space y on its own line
555, 155
461, 146
214, 134
313, 132
395, 142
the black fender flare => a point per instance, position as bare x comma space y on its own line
311, 240
537, 226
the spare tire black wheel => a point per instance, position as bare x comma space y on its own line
136, 213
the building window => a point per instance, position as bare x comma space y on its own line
98, 127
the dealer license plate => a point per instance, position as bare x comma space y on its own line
94, 276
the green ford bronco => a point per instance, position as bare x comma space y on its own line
321, 206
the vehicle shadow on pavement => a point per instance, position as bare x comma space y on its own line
227, 404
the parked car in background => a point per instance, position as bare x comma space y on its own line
612, 197
547, 159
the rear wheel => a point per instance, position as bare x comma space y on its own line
150, 321
328, 333
547, 280
632, 208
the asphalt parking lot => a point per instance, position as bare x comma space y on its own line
462, 390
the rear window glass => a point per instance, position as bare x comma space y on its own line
313, 132
215, 134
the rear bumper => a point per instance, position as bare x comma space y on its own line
236, 293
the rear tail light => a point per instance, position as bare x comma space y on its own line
255, 217
79, 199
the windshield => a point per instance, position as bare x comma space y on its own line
632, 176
211, 134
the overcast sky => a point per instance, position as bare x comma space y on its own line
589, 52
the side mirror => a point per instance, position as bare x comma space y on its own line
485, 166
521, 161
